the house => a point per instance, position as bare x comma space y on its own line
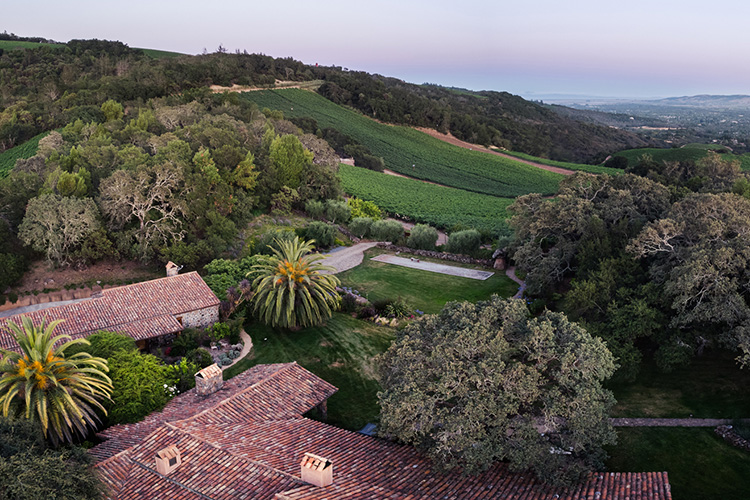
250, 440
145, 311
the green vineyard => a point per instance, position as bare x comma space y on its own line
439, 206
413, 153
26, 150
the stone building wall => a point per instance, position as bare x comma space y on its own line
200, 318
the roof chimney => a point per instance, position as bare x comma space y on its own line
173, 269
316, 470
208, 380
167, 460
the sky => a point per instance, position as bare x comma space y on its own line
533, 48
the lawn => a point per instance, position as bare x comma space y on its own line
701, 465
713, 386
340, 352
423, 290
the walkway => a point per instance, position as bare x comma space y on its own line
675, 422
246, 348
347, 258
462, 272
511, 273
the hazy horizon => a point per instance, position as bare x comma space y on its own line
641, 49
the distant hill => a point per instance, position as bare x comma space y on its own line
707, 101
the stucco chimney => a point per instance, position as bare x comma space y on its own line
167, 460
173, 269
208, 380
316, 470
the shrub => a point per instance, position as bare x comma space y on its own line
13, 297
360, 226
225, 361
466, 242
315, 209
398, 308
366, 312
349, 303
181, 375
138, 381
370, 162
381, 305
200, 357
363, 208
387, 230
220, 331
323, 234
338, 212
266, 240
104, 344
233, 354
422, 237
188, 340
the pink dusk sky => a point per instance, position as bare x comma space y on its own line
655, 48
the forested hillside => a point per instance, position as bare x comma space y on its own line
48, 86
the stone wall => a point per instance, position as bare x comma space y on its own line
202, 318
463, 259
727, 434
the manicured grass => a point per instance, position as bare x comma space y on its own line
701, 466
594, 169
713, 386
423, 290
340, 352
26, 150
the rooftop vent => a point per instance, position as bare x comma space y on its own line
167, 460
208, 380
316, 470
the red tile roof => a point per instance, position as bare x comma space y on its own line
142, 310
247, 442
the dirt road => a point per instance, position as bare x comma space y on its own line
451, 139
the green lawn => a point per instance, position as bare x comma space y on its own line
340, 352
424, 290
701, 466
713, 386
160, 54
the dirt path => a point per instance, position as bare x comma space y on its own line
451, 139
511, 273
246, 348
279, 84
674, 422
347, 258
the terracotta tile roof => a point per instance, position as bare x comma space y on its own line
247, 442
142, 310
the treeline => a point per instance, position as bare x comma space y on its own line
488, 118
175, 179
47, 87
654, 261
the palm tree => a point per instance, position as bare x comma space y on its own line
290, 290
44, 385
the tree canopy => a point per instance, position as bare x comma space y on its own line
484, 382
